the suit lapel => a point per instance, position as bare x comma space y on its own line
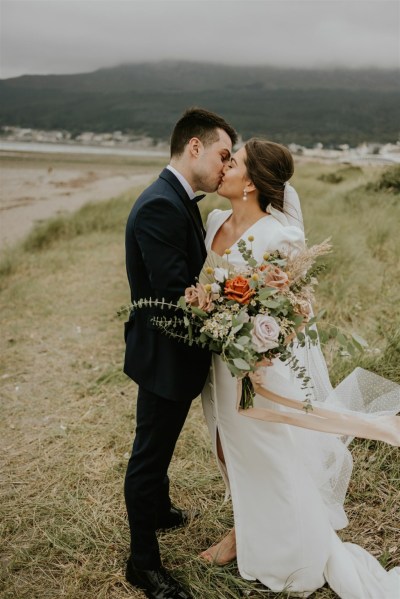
190, 205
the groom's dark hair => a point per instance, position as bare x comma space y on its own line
197, 122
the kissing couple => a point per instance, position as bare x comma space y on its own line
287, 483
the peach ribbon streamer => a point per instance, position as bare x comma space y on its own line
367, 426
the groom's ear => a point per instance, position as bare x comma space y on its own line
194, 146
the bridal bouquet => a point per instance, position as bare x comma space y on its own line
248, 314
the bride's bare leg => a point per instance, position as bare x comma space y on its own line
225, 551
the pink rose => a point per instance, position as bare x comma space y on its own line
192, 295
199, 297
265, 333
273, 276
205, 299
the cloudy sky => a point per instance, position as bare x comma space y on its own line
69, 36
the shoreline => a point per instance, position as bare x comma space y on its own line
350, 156
36, 187
64, 148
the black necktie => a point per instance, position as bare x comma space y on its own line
198, 198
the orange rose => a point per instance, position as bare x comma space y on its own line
238, 289
274, 276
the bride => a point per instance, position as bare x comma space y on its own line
287, 484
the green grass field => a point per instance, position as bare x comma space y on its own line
68, 410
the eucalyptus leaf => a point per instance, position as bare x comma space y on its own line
312, 321
242, 364
236, 329
235, 371
351, 349
266, 292
241, 317
359, 340
199, 312
215, 346
323, 335
271, 303
182, 302
298, 320
238, 346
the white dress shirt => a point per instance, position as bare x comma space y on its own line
182, 181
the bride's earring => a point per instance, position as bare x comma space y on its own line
244, 195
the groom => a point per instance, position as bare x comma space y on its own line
164, 254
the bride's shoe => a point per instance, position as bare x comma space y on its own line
222, 553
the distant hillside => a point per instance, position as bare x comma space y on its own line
304, 106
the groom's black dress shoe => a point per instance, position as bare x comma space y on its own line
156, 584
175, 518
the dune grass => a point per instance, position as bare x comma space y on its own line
68, 411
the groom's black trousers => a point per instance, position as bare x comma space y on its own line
159, 422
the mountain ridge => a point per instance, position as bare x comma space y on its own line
332, 106
185, 75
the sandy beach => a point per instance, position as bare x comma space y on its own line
37, 187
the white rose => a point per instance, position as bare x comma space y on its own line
215, 288
265, 333
220, 274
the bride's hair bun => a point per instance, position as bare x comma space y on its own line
269, 165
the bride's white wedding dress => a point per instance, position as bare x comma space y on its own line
288, 484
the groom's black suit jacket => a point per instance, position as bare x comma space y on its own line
164, 254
